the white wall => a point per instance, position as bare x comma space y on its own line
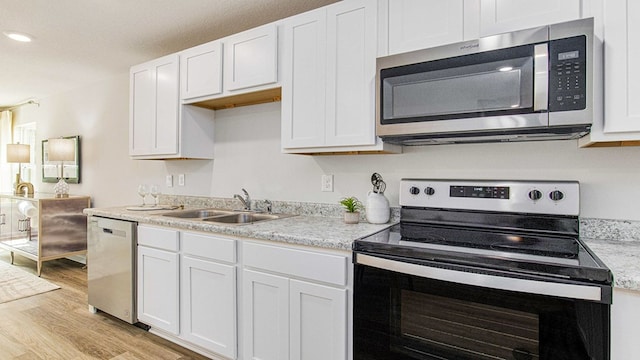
248, 156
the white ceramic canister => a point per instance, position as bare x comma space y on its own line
377, 209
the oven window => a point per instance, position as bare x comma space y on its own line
494, 82
469, 329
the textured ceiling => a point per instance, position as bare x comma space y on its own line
77, 42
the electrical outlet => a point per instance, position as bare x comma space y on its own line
180, 179
168, 180
327, 183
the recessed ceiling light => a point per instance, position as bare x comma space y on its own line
17, 36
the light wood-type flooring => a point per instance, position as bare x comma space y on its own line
58, 324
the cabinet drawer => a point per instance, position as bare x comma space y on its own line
211, 247
305, 264
159, 238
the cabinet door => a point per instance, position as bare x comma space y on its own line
318, 323
499, 16
303, 80
208, 316
265, 316
351, 68
625, 324
154, 107
420, 24
251, 58
158, 288
201, 71
622, 54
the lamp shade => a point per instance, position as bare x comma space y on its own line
18, 153
62, 149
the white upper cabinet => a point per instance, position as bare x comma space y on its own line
306, 44
351, 68
251, 58
154, 107
621, 81
328, 80
499, 16
420, 24
201, 71
159, 127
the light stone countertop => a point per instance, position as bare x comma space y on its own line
318, 231
615, 242
622, 257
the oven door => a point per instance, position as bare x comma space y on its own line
406, 311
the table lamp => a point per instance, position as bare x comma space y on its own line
20, 153
62, 150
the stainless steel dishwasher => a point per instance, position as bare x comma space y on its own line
111, 267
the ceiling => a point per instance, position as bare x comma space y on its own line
78, 42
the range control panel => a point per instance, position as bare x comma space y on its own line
538, 197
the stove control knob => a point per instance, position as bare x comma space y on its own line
535, 195
556, 195
414, 190
429, 190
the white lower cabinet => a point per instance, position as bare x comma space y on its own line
294, 304
288, 302
318, 321
158, 288
266, 316
208, 292
208, 316
625, 324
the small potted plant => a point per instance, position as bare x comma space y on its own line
352, 206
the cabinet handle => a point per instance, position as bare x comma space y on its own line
24, 224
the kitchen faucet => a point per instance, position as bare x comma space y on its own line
246, 201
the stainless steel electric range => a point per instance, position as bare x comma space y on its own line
481, 270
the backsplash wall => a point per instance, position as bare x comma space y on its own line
247, 155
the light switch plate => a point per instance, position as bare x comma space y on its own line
180, 179
168, 180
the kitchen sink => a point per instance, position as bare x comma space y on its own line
242, 218
224, 216
196, 214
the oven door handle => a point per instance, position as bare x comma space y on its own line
541, 77
572, 291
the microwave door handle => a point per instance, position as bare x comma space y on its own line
541, 77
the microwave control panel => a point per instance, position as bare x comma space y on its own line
567, 74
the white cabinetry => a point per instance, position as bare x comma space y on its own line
241, 69
201, 71
157, 273
621, 124
251, 58
187, 288
294, 304
208, 293
328, 80
499, 16
625, 324
420, 24
154, 107
159, 127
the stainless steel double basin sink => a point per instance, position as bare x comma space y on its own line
224, 216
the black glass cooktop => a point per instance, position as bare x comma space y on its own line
513, 251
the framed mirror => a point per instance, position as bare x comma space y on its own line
70, 168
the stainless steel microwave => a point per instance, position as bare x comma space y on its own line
543, 83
